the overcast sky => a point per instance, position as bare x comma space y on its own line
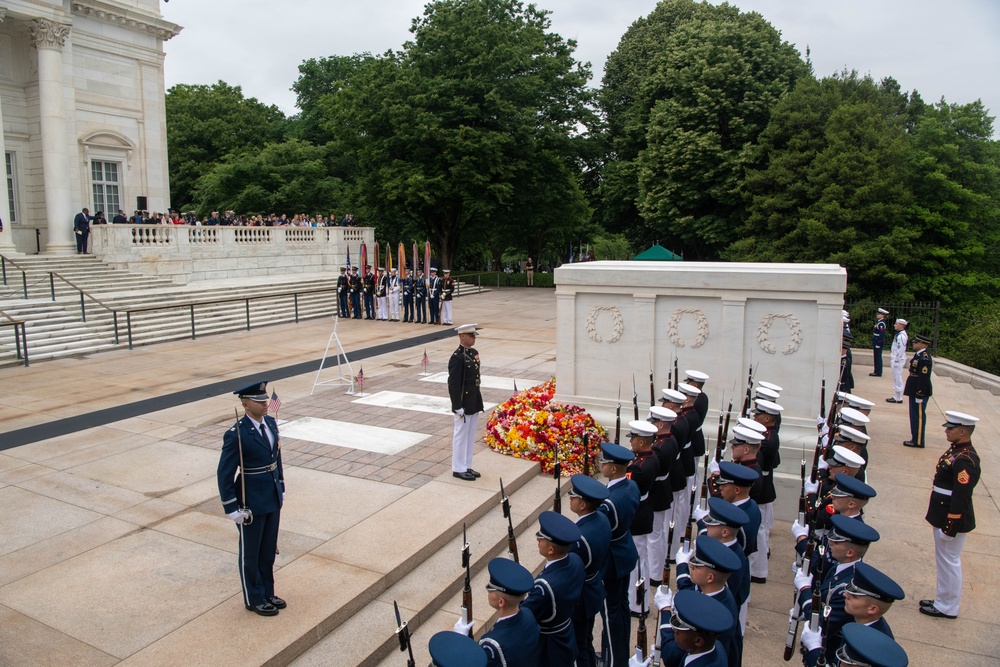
942, 49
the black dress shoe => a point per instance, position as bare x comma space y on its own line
464, 475
758, 580
892, 400
473, 473
277, 602
910, 443
875, 375
927, 603
933, 611
266, 609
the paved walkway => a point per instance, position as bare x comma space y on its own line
114, 547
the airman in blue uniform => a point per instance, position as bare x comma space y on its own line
449, 649
690, 639
878, 341
593, 548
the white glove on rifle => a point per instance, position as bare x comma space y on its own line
463, 628
803, 579
682, 556
460, 412
822, 465
811, 487
664, 598
239, 516
698, 513
799, 531
713, 467
636, 662
811, 640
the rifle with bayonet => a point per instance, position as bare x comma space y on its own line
749, 392
830, 418
557, 474
640, 633
586, 453
403, 634
467, 589
677, 375
247, 514
666, 561
618, 417
511, 537
635, 401
652, 389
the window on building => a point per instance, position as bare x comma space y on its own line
107, 188
11, 187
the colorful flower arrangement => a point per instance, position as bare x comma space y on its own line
530, 426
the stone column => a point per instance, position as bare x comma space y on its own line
6, 237
49, 38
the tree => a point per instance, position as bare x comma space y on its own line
687, 93
206, 123
455, 132
319, 77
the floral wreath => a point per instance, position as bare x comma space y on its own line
530, 426
765, 327
619, 324
675, 319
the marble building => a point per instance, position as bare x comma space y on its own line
83, 116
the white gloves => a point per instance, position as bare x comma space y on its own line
822, 465
698, 513
239, 516
713, 467
682, 556
919, 400
799, 531
460, 412
664, 598
803, 579
463, 628
811, 487
811, 640
634, 661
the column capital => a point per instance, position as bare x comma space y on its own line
47, 34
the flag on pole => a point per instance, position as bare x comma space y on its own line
275, 403
360, 379
401, 256
388, 257
378, 259
416, 264
424, 361
348, 258
427, 262
364, 261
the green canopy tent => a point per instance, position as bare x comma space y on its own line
658, 254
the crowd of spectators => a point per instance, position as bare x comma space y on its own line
231, 219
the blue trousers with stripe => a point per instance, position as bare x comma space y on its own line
918, 420
258, 546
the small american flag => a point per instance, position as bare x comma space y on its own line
275, 403
360, 378
423, 362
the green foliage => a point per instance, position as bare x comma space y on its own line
319, 77
612, 246
206, 123
974, 339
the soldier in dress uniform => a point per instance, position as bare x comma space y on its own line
420, 297
643, 470
847, 363
393, 295
513, 641
619, 508
661, 496
878, 341
449, 649
897, 359
691, 637
343, 287
698, 379
252, 487
368, 289
593, 548
673, 399
447, 294
382, 294
407, 284
918, 388
355, 283
867, 646
950, 512
767, 414
557, 589
723, 523
434, 297
854, 440
466, 401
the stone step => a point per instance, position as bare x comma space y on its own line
435, 586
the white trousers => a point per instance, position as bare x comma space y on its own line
948, 556
682, 510
758, 559
656, 543
897, 381
382, 307
394, 305
642, 546
463, 442
446, 312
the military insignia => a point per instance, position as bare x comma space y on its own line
926, 370
963, 477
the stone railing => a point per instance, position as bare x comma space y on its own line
184, 253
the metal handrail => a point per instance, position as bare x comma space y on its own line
83, 296
20, 340
24, 273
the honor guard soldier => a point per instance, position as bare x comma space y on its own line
662, 495
585, 496
848, 497
447, 294
854, 440
897, 360
723, 523
846, 363
867, 646
674, 400
950, 512
619, 508
734, 482
466, 401
706, 569
449, 649
697, 379
393, 295
252, 488
643, 470
356, 287
382, 294
878, 341
690, 638
767, 414
689, 416
343, 287
407, 284
434, 296
420, 297
557, 589
513, 641
919, 390
867, 598
369, 293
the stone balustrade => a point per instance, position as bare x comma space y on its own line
184, 254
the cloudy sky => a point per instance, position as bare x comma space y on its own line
942, 49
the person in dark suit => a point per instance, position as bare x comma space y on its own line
343, 289
420, 297
252, 488
918, 388
878, 341
81, 227
466, 401
434, 297
369, 292
593, 548
407, 284
355, 291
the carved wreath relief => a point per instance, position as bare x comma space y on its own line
765, 328
700, 319
617, 320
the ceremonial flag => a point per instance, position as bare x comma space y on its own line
401, 256
416, 265
427, 262
375, 252
348, 258
275, 403
388, 257
364, 261
360, 378
424, 361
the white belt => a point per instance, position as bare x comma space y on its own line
643, 497
943, 492
559, 628
698, 429
663, 478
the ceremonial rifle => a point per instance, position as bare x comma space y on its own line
618, 417
824, 629
403, 634
640, 633
666, 561
511, 537
670, 377
635, 400
830, 417
248, 519
746, 400
467, 590
586, 454
652, 391
677, 375
557, 474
